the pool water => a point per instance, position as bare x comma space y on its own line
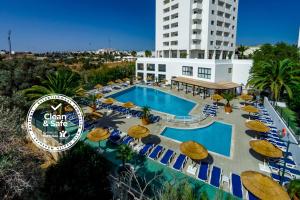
156, 100
215, 137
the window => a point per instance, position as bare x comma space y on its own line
229, 70
161, 77
140, 66
161, 68
204, 73
187, 71
151, 67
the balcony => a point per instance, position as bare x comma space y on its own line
196, 16
196, 36
196, 27
197, 6
195, 46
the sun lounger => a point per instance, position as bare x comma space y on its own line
236, 185
277, 178
251, 196
203, 171
156, 152
215, 178
180, 162
127, 140
166, 159
145, 150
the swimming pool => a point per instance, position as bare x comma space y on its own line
215, 137
156, 100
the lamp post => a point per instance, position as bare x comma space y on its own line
288, 142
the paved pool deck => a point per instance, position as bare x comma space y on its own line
241, 159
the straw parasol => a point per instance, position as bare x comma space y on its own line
246, 97
138, 131
126, 79
250, 109
110, 83
266, 149
99, 96
98, 86
193, 150
81, 92
128, 105
217, 97
258, 126
98, 135
118, 81
68, 108
109, 101
263, 186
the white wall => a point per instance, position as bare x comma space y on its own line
241, 70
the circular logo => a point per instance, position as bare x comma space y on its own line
55, 122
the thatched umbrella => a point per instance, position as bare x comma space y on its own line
99, 95
250, 109
194, 150
110, 83
217, 97
98, 86
138, 132
98, 135
263, 186
257, 126
118, 81
126, 79
109, 101
246, 97
128, 105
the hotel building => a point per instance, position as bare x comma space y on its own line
195, 39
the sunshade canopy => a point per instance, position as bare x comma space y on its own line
258, 126
98, 134
246, 97
98, 86
128, 105
194, 150
217, 97
265, 148
263, 186
109, 101
250, 109
138, 131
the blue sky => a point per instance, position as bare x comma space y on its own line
49, 25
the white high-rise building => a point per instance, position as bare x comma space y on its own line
195, 42
204, 29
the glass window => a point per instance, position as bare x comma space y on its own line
229, 70
204, 73
187, 71
161, 68
140, 66
151, 67
161, 77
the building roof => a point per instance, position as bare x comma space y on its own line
205, 84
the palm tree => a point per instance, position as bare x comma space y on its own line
276, 77
61, 82
124, 153
241, 51
146, 112
294, 189
148, 53
228, 97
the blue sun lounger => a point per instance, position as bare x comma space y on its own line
156, 152
180, 162
252, 196
277, 178
167, 157
127, 140
145, 150
236, 185
290, 171
215, 177
203, 171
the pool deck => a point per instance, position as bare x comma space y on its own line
241, 158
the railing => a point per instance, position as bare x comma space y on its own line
290, 122
185, 119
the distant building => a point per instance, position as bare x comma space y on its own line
142, 54
251, 50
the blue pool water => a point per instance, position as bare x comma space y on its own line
216, 137
156, 100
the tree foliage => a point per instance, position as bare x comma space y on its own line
81, 174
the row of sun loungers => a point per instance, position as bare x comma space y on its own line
210, 110
127, 111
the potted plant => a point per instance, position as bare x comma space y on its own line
145, 117
294, 189
228, 97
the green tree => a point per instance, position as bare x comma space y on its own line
148, 53
124, 153
275, 77
241, 51
133, 53
294, 188
61, 82
80, 174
